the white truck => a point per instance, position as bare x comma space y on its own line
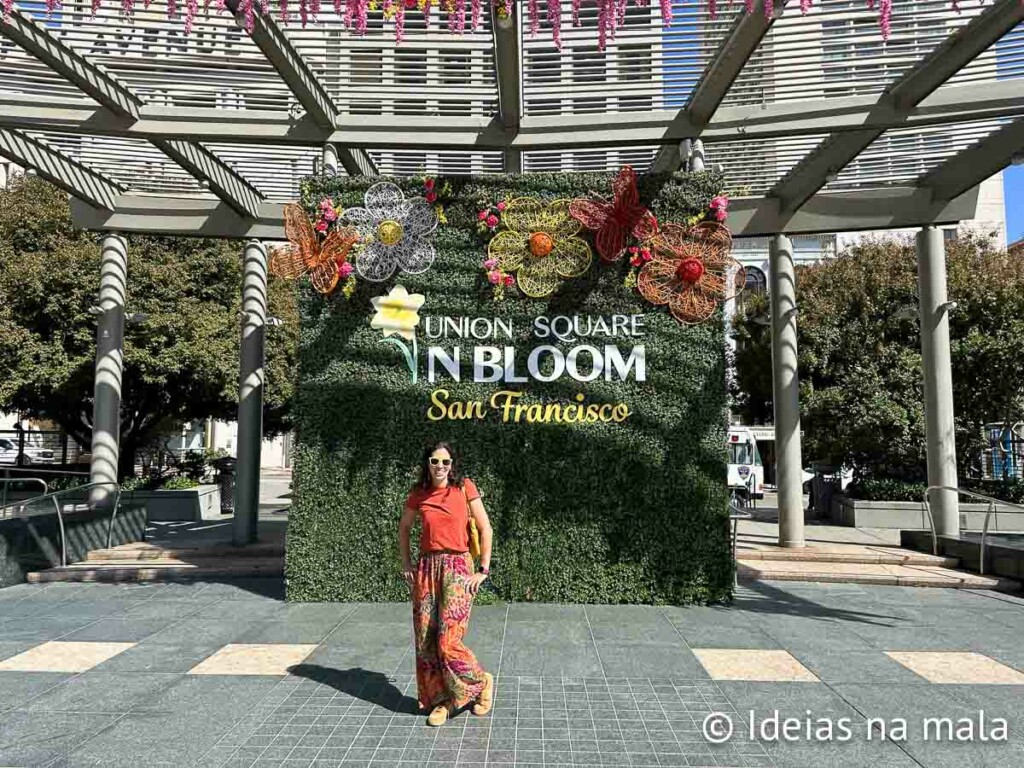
746, 472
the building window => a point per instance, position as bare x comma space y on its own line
543, 75
756, 282
635, 63
755, 286
365, 65
455, 164
636, 103
455, 67
411, 70
365, 109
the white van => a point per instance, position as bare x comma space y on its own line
746, 472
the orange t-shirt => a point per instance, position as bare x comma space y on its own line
445, 515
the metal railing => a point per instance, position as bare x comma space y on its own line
992, 504
736, 513
58, 499
747, 500
5, 482
37, 470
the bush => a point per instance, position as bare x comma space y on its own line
179, 483
130, 484
1011, 489
886, 489
158, 483
894, 489
632, 513
66, 483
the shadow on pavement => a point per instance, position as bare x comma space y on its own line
373, 687
770, 599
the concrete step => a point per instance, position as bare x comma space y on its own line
143, 551
867, 555
162, 569
868, 573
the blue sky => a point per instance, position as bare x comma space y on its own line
1013, 185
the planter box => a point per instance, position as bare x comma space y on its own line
192, 504
910, 516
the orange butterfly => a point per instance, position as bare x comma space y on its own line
305, 254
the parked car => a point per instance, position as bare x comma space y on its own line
32, 455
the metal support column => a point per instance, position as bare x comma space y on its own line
938, 379
331, 164
106, 413
786, 393
697, 156
250, 392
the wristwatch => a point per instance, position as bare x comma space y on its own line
485, 571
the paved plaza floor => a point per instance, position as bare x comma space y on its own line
227, 674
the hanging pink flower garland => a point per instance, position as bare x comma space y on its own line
611, 14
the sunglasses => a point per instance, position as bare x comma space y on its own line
443, 462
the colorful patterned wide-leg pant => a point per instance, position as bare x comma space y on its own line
446, 670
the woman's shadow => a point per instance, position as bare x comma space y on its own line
373, 687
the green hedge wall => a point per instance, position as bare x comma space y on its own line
605, 513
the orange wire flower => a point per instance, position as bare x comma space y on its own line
305, 254
690, 269
615, 220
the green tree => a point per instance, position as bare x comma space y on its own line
861, 387
180, 362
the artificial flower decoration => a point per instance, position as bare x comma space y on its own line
614, 221
498, 279
355, 14
398, 313
690, 271
719, 208
394, 232
489, 219
540, 245
306, 254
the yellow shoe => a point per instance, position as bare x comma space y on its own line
438, 716
486, 700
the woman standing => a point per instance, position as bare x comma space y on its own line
448, 676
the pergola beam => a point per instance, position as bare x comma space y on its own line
357, 162
975, 164
296, 73
746, 34
508, 69
952, 104
123, 108
70, 65
291, 68
59, 169
839, 149
224, 182
889, 208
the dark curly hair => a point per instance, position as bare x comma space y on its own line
455, 477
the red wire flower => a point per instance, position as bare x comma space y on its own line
613, 221
690, 270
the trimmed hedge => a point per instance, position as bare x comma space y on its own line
895, 489
630, 513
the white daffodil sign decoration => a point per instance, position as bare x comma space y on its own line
398, 313
395, 233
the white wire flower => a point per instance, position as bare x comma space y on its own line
394, 232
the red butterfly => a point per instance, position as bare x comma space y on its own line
615, 220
